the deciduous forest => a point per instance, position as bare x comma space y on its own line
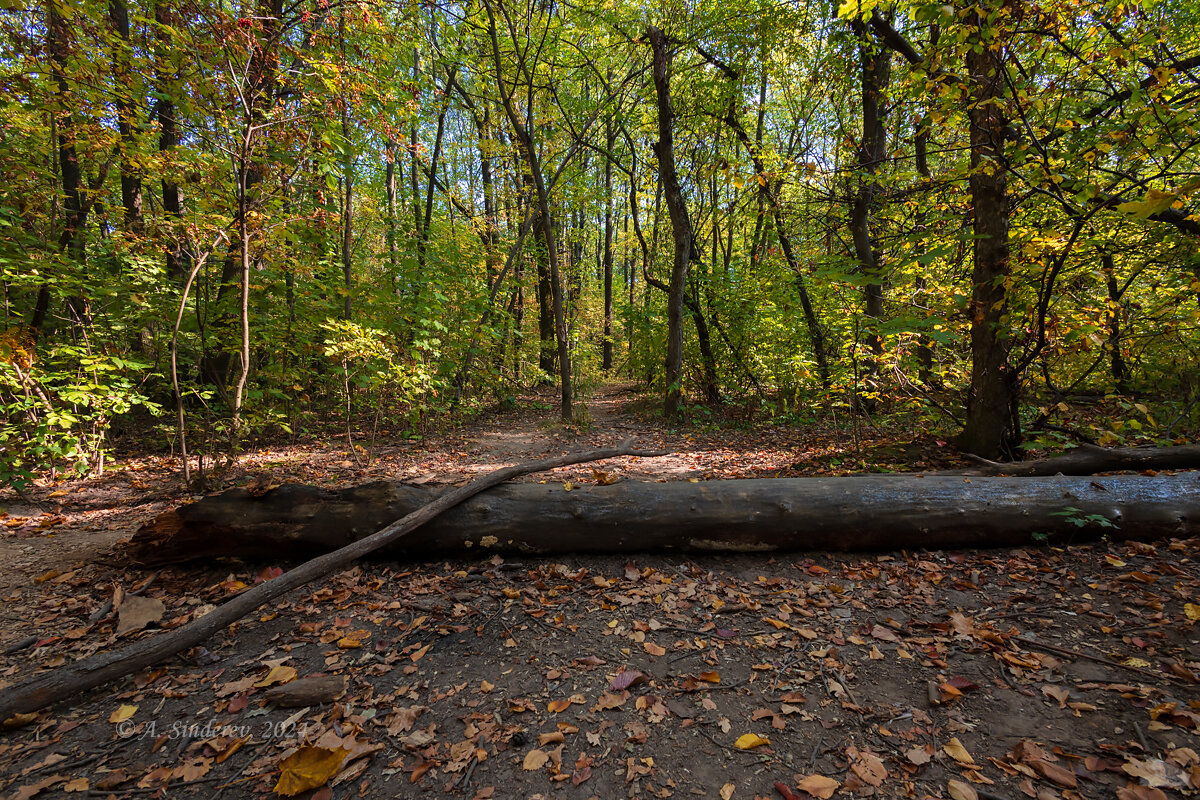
310, 279
226, 222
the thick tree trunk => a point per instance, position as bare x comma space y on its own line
875, 76
1088, 459
991, 428
877, 512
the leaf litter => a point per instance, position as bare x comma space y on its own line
1056, 672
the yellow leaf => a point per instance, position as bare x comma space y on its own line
962, 791
954, 748
555, 706
710, 677
308, 768
748, 741
279, 674
1192, 610
123, 713
727, 791
818, 786
1136, 662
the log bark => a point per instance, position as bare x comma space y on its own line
878, 512
89, 673
1088, 459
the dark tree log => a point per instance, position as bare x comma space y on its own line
1088, 459
59, 684
863, 513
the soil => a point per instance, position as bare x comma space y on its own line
1053, 670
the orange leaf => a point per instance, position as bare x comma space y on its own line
308, 768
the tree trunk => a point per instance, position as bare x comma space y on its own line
168, 139
606, 356
876, 73
991, 428
681, 226
131, 177
530, 152
1112, 320
1088, 459
390, 189
875, 512
75, 203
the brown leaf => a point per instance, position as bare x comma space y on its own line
1053, 772
135, 613
867, 766
535, 760
627, 679
308, 768
961, 791
818, 786
954, 748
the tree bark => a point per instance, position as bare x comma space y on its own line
62, 683
131, 176
875, 512
876, 74
168, 140
606, 354
681, 226
991, 428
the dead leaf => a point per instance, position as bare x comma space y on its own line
918, 756
1157, 774
818, 786
135, 613
727, 791
748, 741
954, 748
962, 791
308, 768
122, 713
278, 674
535, 760
867, 766
627, 679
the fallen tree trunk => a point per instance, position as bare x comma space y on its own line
1088, 459
61, 683
881, 512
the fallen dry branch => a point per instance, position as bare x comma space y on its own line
880, 512
1089, 459
62, 683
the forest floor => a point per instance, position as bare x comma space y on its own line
1040, 671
